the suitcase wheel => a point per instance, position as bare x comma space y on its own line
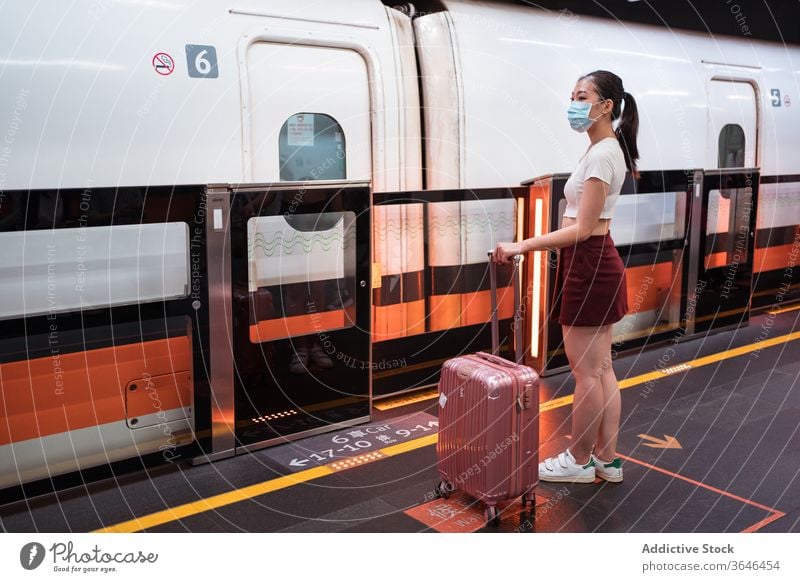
491, 515
443, 489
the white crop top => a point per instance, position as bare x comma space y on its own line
603, 160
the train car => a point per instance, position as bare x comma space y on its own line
121, 117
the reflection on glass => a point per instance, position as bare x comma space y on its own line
301, 274
654, 299
778, 205
731, 146
459, 235
312, 147
399, 260
653, 286
66, 269
727, 227
650, 217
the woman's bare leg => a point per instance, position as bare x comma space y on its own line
586, 351
606, 445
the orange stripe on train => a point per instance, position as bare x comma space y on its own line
51, 395
773, 258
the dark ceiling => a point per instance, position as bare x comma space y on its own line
777, 21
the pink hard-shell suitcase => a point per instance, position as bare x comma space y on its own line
489, 421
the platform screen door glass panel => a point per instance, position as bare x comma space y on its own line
459, 234
727, 226
650, 227
65, 269
301, 274
726, 239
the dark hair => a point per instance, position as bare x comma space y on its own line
609, 86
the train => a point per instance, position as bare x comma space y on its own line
110, 107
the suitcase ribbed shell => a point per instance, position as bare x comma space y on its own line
488, 427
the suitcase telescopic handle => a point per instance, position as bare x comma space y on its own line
496, 360
517, 327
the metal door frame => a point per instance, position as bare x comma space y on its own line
704, 182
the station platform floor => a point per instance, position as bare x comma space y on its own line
710, 441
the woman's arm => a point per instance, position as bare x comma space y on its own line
592, 201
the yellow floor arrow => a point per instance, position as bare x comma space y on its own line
669, 442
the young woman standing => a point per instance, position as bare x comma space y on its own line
590, 290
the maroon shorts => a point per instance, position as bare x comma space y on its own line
590, 285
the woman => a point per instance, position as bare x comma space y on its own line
590, 291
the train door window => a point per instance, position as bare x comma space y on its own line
301, 274
731, 146
312, 147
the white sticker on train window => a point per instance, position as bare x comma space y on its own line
300, 130
300, 248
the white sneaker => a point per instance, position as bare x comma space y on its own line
611, 472
564, 469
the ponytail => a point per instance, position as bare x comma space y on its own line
627, 131
609, 86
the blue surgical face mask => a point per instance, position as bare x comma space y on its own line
578, 115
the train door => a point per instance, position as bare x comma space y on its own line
297, 247
289, 277
723, 223
309, 114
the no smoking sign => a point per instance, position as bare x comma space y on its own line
163, 63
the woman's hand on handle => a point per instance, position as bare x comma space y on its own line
505, 251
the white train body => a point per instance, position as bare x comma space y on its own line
108, 93
83, 104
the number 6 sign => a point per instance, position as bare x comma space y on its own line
201, 61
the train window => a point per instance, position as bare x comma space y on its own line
646, 218
727, 225
70, 269
312, 147
731, 146
301, 274
649, 217
458, 235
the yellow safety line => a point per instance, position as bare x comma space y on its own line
421, 366
732, 353
721, 314
407, 399
697, 363
784, 310
772, 291
411, 445
555, 403
216, 501
244, 493
411, 368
